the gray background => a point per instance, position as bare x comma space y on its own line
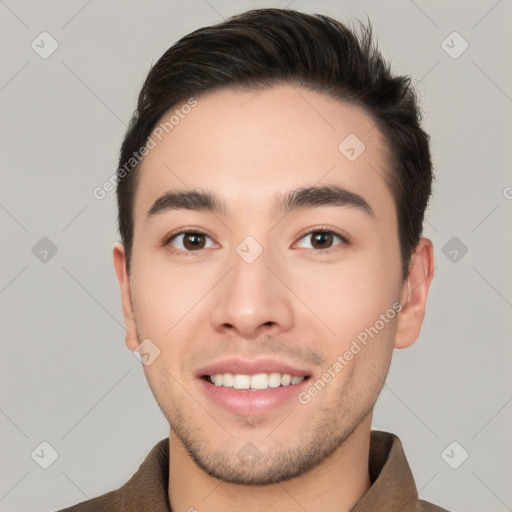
67, 377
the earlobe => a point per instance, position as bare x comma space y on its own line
414, 294
119, 256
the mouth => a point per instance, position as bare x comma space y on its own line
257, 382
252, 387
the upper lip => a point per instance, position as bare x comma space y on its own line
244, 366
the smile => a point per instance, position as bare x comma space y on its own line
252, 386
258, 382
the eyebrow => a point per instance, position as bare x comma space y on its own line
315, 197
297, 199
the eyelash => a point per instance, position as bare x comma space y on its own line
324, 230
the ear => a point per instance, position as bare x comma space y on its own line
414, 294
119, 255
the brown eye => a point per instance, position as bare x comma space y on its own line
321, 240
193, 241
190, 241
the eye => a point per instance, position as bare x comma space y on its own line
322, 239
189, 241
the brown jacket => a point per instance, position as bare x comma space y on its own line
393, 488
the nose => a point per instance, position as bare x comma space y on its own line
252, 299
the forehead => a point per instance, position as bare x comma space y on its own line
250, 147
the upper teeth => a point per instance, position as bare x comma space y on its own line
258, 381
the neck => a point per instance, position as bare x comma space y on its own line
336, 484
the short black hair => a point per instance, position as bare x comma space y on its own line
262, 48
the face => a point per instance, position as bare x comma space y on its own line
265, 256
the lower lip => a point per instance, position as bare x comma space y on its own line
251, 403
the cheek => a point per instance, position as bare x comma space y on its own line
164, 295
347, 298
169, 310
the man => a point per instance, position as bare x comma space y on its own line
271, 192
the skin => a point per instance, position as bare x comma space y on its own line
295, 302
